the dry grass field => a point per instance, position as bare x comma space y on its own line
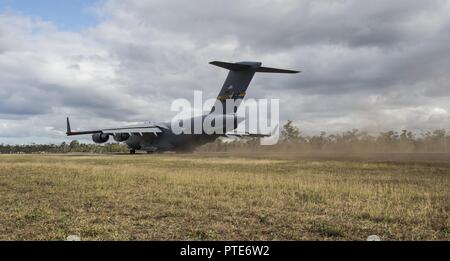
221, 197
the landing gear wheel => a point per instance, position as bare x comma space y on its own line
132, 151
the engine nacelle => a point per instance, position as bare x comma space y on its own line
119, 137
100, 137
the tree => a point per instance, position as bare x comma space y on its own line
74, 145
290, 132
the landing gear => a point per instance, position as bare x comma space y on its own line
132, 151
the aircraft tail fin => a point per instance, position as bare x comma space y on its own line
238, 80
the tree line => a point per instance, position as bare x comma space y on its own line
74, 146
292, 139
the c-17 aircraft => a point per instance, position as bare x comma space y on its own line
160, 137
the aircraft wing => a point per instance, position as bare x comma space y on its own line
134, 129
140, 129
246, 134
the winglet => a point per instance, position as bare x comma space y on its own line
70, 133
68, 127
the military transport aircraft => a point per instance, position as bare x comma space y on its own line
159, 137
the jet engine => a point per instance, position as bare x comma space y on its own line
119, 137
100, 137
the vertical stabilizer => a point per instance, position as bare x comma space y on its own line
238, 80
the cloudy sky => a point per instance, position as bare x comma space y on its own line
371, 65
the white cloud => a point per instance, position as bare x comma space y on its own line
367, 65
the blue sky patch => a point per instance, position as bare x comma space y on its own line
67, 15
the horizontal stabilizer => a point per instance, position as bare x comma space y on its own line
255, 66
231, 66
274, 70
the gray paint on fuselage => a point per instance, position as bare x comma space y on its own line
167, 140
